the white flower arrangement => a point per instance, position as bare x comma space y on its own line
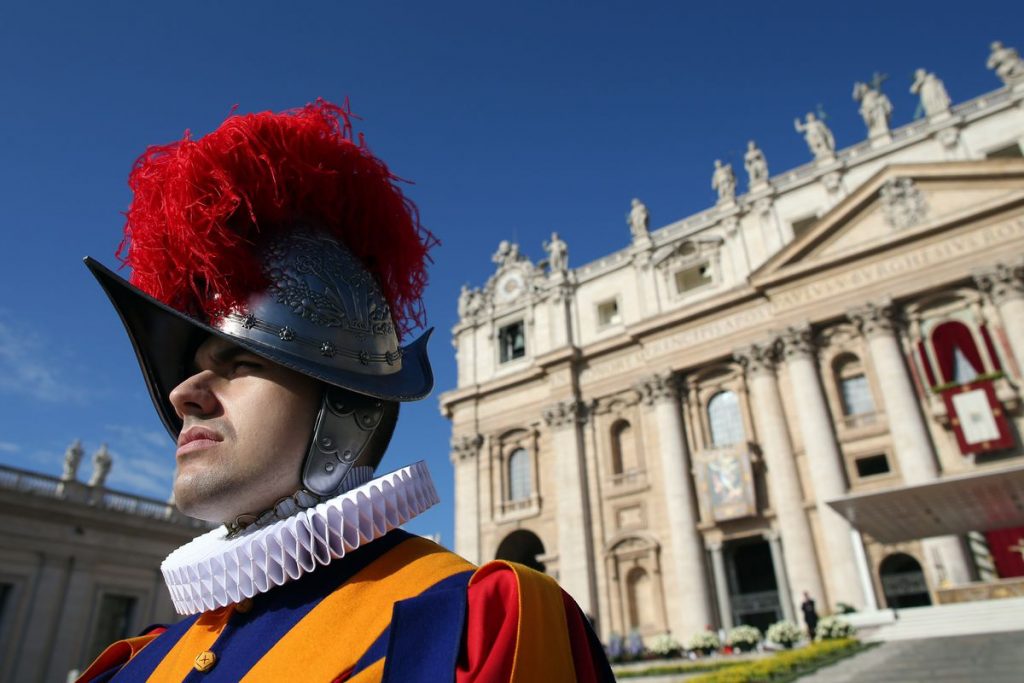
784, 633
744, 637
833, 627
704, 640
666, 646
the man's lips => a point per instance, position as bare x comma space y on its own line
197, 438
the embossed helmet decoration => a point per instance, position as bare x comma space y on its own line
281, 234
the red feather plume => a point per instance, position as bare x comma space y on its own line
202, 207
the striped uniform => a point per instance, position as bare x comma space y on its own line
399, 609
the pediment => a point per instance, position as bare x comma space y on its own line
900, 203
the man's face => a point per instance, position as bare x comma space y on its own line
247, 424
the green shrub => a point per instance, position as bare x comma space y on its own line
782, 665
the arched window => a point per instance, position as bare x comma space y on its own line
623, 448
725, 420
519, 475
640, 598
854, 390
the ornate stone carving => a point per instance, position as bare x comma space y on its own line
949, 138
1006, 63
757, 359
903, 203
658, 387
763, 206
467, 446
756, 165
832, 181
638, 220
798, 342
1002, 281
874, 318
819, 138
724, 182
564, 414
875, 108
934, 98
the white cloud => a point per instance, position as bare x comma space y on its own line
29, 368
8, 447
143, 461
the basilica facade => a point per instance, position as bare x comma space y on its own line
812, 386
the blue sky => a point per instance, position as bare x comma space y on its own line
512, 119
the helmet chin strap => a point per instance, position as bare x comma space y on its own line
342, 455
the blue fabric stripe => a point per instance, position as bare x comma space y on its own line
247, 637
144, 663
380, 646
412, 656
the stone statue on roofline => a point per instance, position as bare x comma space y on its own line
724, 181
558, 253
470, 302
934, 98
72, 458
756, 165
638, 220
507, 254
1006, 63
875, 108
101, 462
819, 138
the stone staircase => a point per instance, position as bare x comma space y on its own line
966, 618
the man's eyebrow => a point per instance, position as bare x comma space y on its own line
221, 356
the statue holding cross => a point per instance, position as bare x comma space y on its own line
875, 107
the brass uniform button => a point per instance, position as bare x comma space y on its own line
244, 606
205, 661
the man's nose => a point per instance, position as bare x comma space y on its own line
193, 396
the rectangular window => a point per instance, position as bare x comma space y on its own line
5, 592
802, 225
608, 313
693, 277
512, 341
113, 622
856, 395
872, 465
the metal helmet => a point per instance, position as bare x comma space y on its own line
309, 303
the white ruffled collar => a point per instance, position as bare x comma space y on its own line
214, 571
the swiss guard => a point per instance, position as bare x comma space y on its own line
275, 268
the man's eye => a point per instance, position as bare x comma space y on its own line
244, 366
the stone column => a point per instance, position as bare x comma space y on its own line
688, 570
781, 581
911, 441
1005, 285
785, 494
575, 557
721, 586
863, 571
824, 462
466, 462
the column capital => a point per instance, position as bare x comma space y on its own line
875, 318
757, 359
798, 342
658, 387
466, 446
1002, 281
564, 414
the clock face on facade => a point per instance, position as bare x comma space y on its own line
510, 286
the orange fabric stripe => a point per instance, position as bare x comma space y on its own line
332, 637
120, 652
543, 651
199, 637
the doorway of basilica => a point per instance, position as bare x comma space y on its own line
522, 546
903, 582
753, 591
